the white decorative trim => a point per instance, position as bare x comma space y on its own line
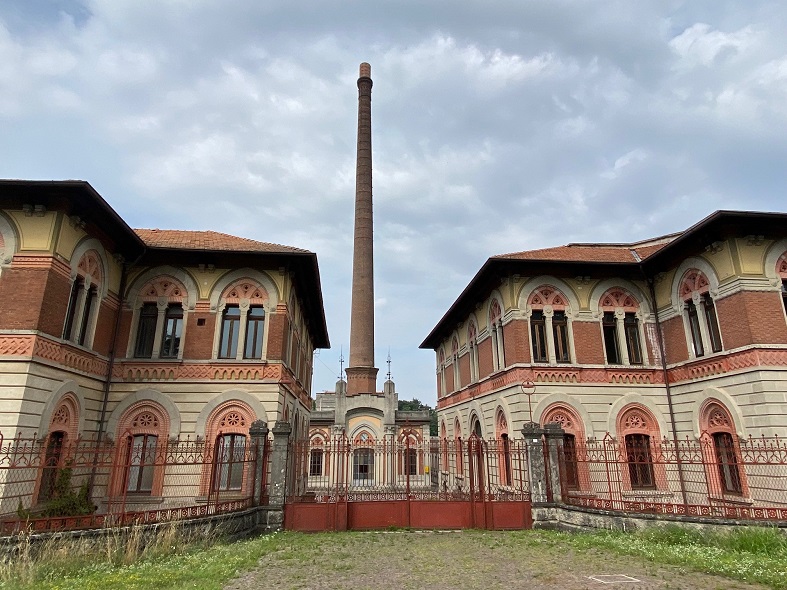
532, 284
245, 273
84, 246
192, 291
602, 287
229, 395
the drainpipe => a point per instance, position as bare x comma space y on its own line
665, 372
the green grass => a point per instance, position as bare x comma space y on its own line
756, 555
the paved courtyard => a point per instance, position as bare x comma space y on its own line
461, 560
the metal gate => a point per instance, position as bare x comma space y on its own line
435, 484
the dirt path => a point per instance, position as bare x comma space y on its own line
459, 561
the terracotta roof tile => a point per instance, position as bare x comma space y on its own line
207, 240
593, 252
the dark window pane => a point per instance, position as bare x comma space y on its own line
363, 465
230, 326
89, 298
640, 461
610, 328
173, 328
315, 462
560, 332
411, 462
539, 337
631, 328
570, 462
727, 462
713, 323
230, 454
72, 308
255, 328
146, 331
694, 327
54, 452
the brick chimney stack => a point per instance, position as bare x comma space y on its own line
361, 372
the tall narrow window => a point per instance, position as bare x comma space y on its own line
694, 328
315, 462
411, 462
570, 462
146, 331
640, 461
631, 329
363, 465
230, 453
610, 328
141, 463
506, 458
173, 329
52, 461
86, 311
784, 295
255, 327
560, 331
713, 323
729, 473
72, 307
538, 333
230, 326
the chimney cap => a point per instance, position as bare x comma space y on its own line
365, 71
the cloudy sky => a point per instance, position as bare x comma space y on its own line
498, 126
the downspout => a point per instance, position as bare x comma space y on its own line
665, 372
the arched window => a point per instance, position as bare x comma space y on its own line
227, 434
441, 372
459, 454
159, 319
242, 327
640, 436
575, 475
699, 313
621, 327
549, 326
472, 346
60, 438
475, 426
504, 447
496, 330
83, 301
142, 437
720, 444
410, 446
316, 457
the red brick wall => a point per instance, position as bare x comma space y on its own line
449, 379
277, 328
105, 326
516, 341
124, 332
485, 358
23, 292
675, 340
198, 344
588, 344
751, 317
464, 368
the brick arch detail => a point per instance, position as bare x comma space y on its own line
177, 276
203, 419
72, 389
632, 399
567, 417
618, 298
781, 266
533, 285
90, 265
693, 281
8, 240
141, 396
495, 310
144, 417
65, 418
548, 295
245, 288
685, 270
715, 417
566, 401
231, 417
90, 257
259, 278
637, 419
163, 286
501, 423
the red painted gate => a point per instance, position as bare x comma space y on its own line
339, 485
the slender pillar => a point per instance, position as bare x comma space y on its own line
361, 372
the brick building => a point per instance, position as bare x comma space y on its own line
111, 332
671, 337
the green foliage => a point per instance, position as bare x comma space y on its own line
415, 405
65, 501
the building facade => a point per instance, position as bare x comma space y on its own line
679, 336
112, 333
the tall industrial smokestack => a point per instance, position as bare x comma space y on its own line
361, 372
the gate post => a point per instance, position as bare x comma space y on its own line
553, 433
258, 431
534, 443
278, 487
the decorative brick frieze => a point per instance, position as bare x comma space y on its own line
176, 371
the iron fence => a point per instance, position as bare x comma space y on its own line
717, 476
52, 483
476, 469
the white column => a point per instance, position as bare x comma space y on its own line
244, 313
548, 313
162, 305
183, 331
703, 322
620, 328
501, 347
79, 312
132, 334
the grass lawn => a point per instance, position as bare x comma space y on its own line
669, 558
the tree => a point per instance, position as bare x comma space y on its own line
416, 405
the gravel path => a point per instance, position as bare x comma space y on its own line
461, 560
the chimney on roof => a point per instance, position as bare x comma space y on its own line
361, 372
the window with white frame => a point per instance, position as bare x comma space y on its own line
84, 299
621, 328
702, 324
472, 347
496, 331
159, 319
550, 333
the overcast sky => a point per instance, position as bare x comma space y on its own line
498, 126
